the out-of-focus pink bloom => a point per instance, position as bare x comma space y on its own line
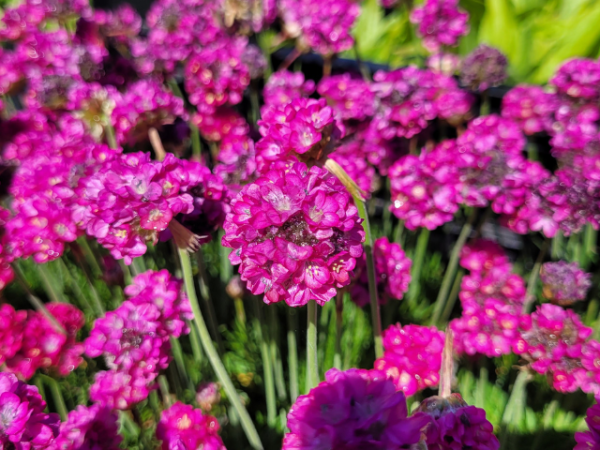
282, 87
578, 78
12, 326
119, 389
122, 23
254, 16
412, 357
93, 427
483, 68
183, 427
392, 270
208, 395
296, 234
482, 255
441, 23
351, 410
215, 75
457, 425
146, 104
358, 169
445, 63
350, 98
590, 440
564, 283
25, 425
6, 257
530, 107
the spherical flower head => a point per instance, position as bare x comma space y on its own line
425, 190
587, 440
530, 107
208, 395
304, 128
122, 23
215, 75
412, 357
482, 255
552, 334
352, 410
441, 23
351, 98
457, 425
93, 427
392, 270
165, 292
223, 123
254, 60
12, 326
483, 68
296, 234
282, 87
72, 320
119, 389
490, 328
445, 63
249, 16
183, 427
326, 26
564, 283
578, 78
146, 104
24, 424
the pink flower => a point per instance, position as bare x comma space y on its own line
457, 425
564, 283
119, 389
530, 107
482, 255
351, 98
12, 326
296, 235
182, 427
412, 357
590, 439
483, 68
24, 423
578, 78
93, 427
352, 410
441, 23
392, 270
282, 87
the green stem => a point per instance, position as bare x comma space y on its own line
481, 384
196, 344
205, 295
312, 364
126, 272
180, 364
138, 265
109, 131
339, 310
452, 297
515, 406
163, 385
76, 290
267, 366
418, 259
240, 312
589, 246
196, 145
557, 245
451, 269
59, 401
399, 232
213, 356
533, 277
128, 424
89, 256
292, 322
49, 287
375, 314
40, 387
274, 350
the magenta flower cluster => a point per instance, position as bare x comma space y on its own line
134, 339
392, 269
93, 427
352, 410
564, 283
296, 234
590, 439
32, 341
183, 427
441, 23
24, 423
412, 357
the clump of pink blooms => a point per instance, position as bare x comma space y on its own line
564, 283
183, 427
296, 234
551, 340
6, 272
353, 409
492, 299
483, 68
441, 23
93, 427
282, 87
146, 104
457, 425
392, 269
530, 107
590, 439
32, 341
412, 357
305, 128
24, 424
351, 98
134, 339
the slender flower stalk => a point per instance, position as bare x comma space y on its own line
292, 323
59, 401
339, 309
275, 355
451, 269
418, 260
212, 354
49, 286
267, 366
312, 363
533, 277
